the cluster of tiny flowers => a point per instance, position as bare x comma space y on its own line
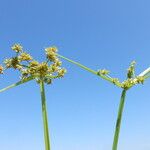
51, 53
17, 48
102, 72
131, 70
131, 82
24, 57
115, 81
131, 78
29, 67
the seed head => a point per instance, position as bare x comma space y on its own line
17, 48
127, 84
61, 72
24, 57
12, 63
24, 73
33, 63
103, 72
45, 71
51, 49
51, 53
115, 80
131, 70
140, 79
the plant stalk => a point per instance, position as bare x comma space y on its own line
16, 84
119, 118
145, 73
45, 118
90, 70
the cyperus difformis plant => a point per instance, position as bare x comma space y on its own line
43, 72
129, 82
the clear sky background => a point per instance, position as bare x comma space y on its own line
82, 108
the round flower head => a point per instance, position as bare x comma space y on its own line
51, 53
24, 57
103, 72
17, 48
131, 70
45, 71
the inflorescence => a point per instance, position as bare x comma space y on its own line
28, 67
51, 68
131, 78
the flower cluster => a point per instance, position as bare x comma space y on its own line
129, 82
103, 72
131, 78
17, 48
24, 57
28, 67
131, 70
51, 53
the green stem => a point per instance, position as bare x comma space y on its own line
90, 70
145, 73
16, 84
119, 118
45, 118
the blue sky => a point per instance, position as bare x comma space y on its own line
82, 108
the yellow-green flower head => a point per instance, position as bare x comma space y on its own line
46, 71
54, 67
58, 63
131, 70
140, 79
8, 63
42, 69
15, 63
17, 48
115, 80
24, 57
103, 72
128, 83
61, 72
51, 49
33, 67
24, 73
1, 70
12, 63
51, 53
34, 63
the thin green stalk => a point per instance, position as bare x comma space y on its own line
45, 118
145, 73
90, 70
16, 84
119, 118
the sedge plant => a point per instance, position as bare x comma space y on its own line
30, 69
129, 82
